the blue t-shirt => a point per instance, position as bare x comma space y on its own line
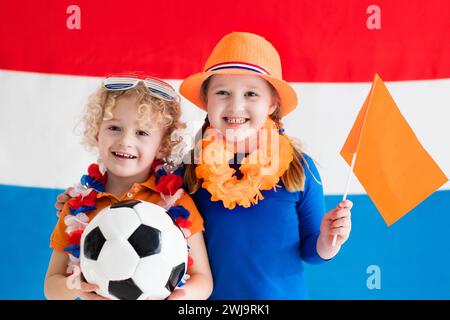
257, 252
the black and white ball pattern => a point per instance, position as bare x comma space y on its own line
133, 250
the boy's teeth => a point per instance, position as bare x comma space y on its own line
236, 120
124, 155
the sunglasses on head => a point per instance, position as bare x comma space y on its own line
156, 87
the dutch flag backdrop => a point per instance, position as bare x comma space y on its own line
329, 54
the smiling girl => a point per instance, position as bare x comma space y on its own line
260, 196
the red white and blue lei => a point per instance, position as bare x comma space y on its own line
84, 194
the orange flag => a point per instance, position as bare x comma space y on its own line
391, 164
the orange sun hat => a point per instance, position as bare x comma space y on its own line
242, 53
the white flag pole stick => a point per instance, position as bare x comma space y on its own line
368, 100
350, 174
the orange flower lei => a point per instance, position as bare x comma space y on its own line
261, 169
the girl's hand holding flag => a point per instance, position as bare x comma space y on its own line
336, 222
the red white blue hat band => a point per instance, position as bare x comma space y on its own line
238, 65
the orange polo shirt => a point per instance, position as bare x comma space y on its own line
141, 191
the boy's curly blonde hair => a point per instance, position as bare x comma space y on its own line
151, 110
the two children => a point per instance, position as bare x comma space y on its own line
260, 196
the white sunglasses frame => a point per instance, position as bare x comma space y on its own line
156, 87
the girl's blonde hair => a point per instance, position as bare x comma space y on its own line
151, 110
293, 178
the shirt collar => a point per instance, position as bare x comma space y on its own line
150, 183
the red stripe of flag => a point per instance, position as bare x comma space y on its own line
326, 41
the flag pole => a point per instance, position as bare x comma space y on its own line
346, 189
369, 97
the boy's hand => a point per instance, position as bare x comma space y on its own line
85, 290
337, 221
177, 294
62, 199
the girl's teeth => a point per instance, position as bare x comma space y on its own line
237, 120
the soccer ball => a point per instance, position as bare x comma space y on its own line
133, 250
